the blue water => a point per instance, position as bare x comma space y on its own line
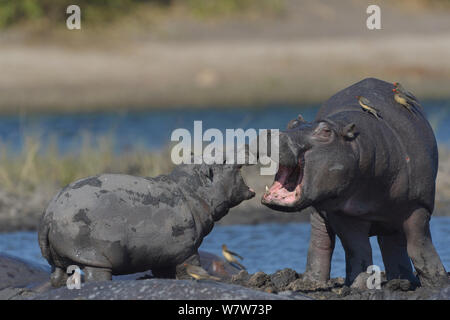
265, 247
152, 129
149, 129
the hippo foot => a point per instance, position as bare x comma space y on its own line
306, 284
400, 285
58, 278
97, 274
313, 277
360, 281
421, 250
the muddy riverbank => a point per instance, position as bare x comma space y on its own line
284, 284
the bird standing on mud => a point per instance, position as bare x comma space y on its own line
198, 273
230, 256
366, 105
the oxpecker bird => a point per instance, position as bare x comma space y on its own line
367, 106
402, 90
198, 273
295, 122
230, 256
403, 100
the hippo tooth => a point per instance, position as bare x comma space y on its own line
267, 188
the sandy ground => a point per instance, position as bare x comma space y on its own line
307, 53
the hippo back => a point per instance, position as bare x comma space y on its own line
404, 141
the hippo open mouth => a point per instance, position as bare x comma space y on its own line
287, 187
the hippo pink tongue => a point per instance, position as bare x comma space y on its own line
286, 187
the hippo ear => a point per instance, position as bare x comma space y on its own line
349, 131
294, 123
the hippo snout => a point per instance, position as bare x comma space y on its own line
249, 193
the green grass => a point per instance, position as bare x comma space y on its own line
16, 11
13, 12
211, 8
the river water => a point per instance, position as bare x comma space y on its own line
265, 247
152, 129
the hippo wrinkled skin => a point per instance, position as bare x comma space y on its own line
363, 176
115, 224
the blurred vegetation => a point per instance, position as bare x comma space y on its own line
98, 11
15, 11
37, 167
206, 8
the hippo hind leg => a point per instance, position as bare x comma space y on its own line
59, 277
421, 250
395, 257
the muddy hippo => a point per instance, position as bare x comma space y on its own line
364, 175
115, 224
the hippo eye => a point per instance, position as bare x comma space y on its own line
322, 132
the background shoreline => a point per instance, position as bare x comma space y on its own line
298, 52
207, 75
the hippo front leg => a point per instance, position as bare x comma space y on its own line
320, 251
354, 236
421, 250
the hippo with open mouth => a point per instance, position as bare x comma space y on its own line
115, 224
364, 175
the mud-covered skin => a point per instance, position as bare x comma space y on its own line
121, 224
364, 176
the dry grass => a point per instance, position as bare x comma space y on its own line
36, 167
